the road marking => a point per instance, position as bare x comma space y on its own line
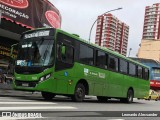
26, 103
115, 119
36, 108
12, 98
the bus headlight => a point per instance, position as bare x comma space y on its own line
45, 77
48, 76
41, 79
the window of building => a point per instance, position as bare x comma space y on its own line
86, 54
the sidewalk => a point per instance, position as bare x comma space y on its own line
5, 86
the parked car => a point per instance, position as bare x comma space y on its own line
153, 95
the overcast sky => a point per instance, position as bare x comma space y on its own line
79, 15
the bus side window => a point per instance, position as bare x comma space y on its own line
67, 54
139, 72
113, 63
123, 67
101, 59
86, 55
132, 69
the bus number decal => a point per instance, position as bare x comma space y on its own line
86, 71
102, 75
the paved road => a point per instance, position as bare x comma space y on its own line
26, 103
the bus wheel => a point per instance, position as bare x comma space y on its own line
102, 99
79, 93
130, 95
48, 95
129, 98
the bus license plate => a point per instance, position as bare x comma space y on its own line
25, 84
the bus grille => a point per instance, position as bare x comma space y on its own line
26, 83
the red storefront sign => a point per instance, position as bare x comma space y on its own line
16, 3
31, 13
53, 18
155, 83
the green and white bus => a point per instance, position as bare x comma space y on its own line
55, 62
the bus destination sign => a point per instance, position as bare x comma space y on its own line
37, 34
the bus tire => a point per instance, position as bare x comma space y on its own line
102, 99
79, 93
129, 98
48, 95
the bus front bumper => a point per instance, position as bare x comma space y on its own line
34, 85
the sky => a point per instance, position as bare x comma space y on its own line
79, 15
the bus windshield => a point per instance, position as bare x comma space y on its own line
36, 52
156, 74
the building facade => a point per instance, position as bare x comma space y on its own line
112, 33
17, 16
151, 28
149, 49
150, 43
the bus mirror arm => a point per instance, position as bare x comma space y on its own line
12, 47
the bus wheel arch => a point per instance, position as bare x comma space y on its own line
85, 83
80, 91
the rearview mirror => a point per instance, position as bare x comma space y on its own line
63, 50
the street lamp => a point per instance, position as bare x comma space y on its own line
129, 51
97, 19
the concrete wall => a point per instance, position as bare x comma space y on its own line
150, 49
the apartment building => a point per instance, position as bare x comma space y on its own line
151, 28
112, 33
